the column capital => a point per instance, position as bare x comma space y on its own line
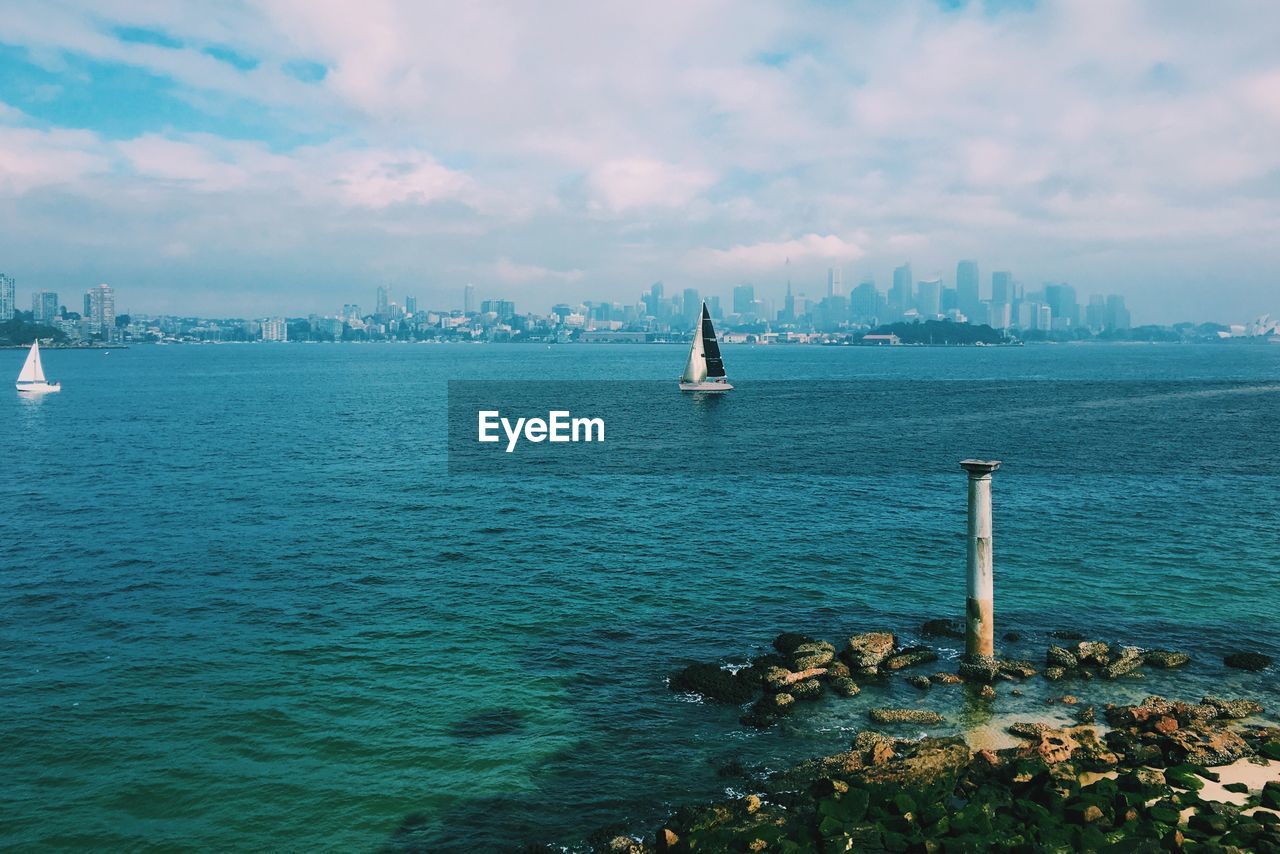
979, 468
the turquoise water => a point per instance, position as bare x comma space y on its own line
245, 603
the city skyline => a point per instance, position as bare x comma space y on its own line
966, 300
237, 159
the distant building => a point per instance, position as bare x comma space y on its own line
100, 311
900, 292
44, 306
411, 305
744, 298
469, 299
968, 299
692, 304
1062, 302
713, 306
504, 309
7, 300
889, 340
835, 282
1002, 287
1095, 313
1117, 315
929, 298
350, 312
999, 315
275, 329
384, 299
864, 302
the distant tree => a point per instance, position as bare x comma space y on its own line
122, 320
1153, 333
299, 330
17, 331
942, 332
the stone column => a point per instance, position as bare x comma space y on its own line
979, 645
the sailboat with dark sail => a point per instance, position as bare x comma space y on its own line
705, 369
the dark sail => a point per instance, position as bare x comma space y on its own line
711, 347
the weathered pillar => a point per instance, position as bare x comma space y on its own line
979, 630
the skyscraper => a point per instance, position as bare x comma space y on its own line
900, 293
1062, 302
504, 309
469, 299
653, 300
384, 299
929, 298
864, 302
44, 306
100, 311
744, 297
1002, 287
835, 282
7, 301
411, 305
968, 299
1117, 314
692, 304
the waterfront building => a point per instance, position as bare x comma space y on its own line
44, 306
275, 329
1002, 287
7, 297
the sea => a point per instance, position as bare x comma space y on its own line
270, 597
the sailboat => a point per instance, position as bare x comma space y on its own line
705, 369
32, 376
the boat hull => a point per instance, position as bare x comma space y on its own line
39, 388
706, 386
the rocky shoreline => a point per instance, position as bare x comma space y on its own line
1127, 777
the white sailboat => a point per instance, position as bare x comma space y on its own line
705, 369
31, 378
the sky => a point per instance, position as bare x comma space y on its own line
286, 157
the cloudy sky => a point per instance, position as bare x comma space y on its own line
289, 156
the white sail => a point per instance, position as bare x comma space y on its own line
695, 371
32, 370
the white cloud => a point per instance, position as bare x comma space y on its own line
634, 183
380, 179
509, 272
1097, 139
772, 256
